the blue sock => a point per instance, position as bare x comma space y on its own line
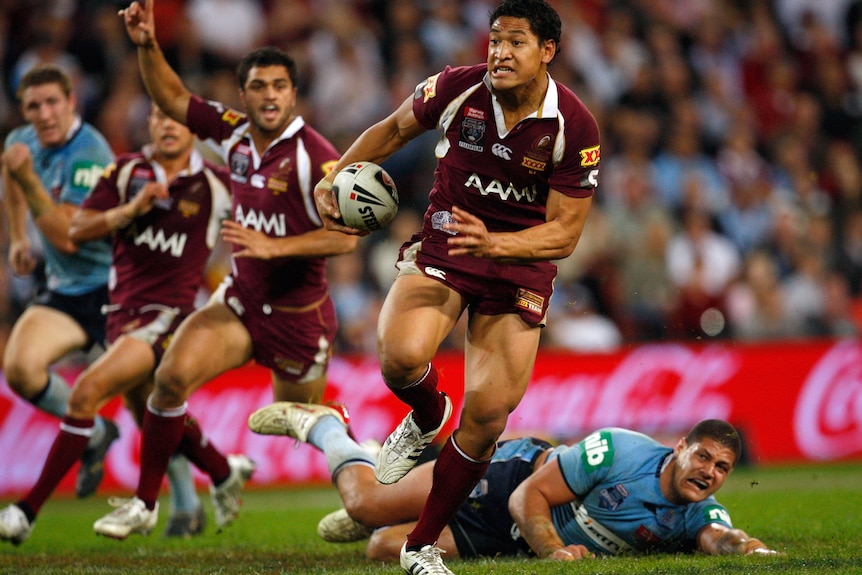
330, 436
54, 398
184, 496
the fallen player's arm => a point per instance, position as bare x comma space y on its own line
530, 506
716, 539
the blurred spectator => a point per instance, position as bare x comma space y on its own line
226, 29
575, 325
756, 307
701, 264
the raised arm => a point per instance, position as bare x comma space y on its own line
89, 224
163, 84
716, 539
530, 506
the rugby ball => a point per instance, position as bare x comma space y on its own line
366, 196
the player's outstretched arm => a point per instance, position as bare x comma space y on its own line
717, 539
530, 506
163, 84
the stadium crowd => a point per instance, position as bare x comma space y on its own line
730, 198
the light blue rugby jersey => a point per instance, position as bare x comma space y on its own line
68, 173
615, 472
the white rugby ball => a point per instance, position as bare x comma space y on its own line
366, 196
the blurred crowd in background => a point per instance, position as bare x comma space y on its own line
730, 196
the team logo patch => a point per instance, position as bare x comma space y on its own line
140, 177
291, 366
232, 117
472, 134
440, 219
276, 185
590, 156
597, 450
85, 175
188, 208
529, 301
646, 536
532, 164
612, 498
715, 513
328, 166
240, 160
474, 113
427, 89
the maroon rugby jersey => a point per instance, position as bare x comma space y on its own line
503, 178
273, 194
161, 256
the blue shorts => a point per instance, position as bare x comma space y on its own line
482, 526
85, 309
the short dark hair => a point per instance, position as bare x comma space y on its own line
544, 20
262, 58
42, 74
719, 430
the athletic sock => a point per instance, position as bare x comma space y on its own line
455, 475
67, 448
330, 436
422, 396
202, 452
54, 397
161, 434
53, 400
184, 496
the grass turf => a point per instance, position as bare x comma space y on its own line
810, 513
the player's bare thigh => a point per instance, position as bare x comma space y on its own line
209, 342
40, 337
418, 314
128, 363
498, 362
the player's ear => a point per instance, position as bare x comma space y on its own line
680, 446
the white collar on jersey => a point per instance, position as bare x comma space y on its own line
196, 164
77, 122
550, 106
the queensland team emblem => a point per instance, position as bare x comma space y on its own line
472, 134
240, 160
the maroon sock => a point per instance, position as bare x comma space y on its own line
202, 452
454, 478
160, 437
67, 448
423, 397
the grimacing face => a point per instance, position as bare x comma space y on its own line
50, 111
515, 56
269, 97
698, 470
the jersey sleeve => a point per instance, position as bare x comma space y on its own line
584, 466
704, 513
576, 173
434, 94
210, 120
105, 194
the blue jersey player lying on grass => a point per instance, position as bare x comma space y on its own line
616, 491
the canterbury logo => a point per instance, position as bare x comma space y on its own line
437, 273
501, 151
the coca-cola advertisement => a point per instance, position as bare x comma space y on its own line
793, 402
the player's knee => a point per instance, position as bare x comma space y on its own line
402, 367
22, 379
84, 400
171, 383
361, 509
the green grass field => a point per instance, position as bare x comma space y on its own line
810, 513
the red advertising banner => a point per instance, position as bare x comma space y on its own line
792, 402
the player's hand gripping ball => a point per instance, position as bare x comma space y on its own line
366, 196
